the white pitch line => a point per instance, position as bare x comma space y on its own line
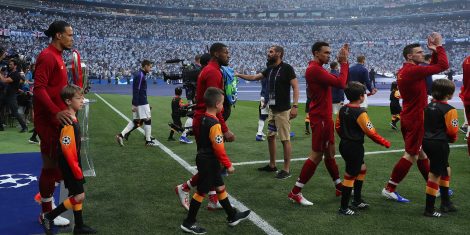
255, 218
336, 156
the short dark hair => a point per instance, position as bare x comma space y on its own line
197, 57
14, 61
427, 57
278, 48
178, 91
57, 26
394, 86
318, 45
354, 90
212, 96
361, 59
205, 58
409, 49
145, 63
333, 65
441, 88
216, 47
69, 91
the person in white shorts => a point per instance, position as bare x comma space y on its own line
141, 114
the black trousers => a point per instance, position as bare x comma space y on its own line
11, 102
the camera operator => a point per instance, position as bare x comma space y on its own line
10, 99
197, 62
189, 76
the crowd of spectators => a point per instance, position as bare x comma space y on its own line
115, 46
356, 11
176, 30
265, 4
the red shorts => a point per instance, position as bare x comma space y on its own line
322, 134
49, 136
412, 130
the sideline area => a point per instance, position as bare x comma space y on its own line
19, 176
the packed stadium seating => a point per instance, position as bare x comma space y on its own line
115, 45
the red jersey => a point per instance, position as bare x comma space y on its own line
319, 83
466, 81
411, 79
50, 77
210, 76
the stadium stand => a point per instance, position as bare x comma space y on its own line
112, 38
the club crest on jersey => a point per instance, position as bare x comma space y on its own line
219, 139
455, 122
369, 125
66, 140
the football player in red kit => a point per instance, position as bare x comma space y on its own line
319, 82
50, 110
411, 80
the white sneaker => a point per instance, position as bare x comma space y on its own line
213, 205
299, 198
61, 221
119, 140
183, 196
393, 196
261, 134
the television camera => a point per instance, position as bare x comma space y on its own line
188, 75
23, 61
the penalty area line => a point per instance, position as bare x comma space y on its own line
336, 156
255, 218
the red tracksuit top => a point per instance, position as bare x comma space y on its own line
319, 83
411, 79
50, 77
466, 81
210, 76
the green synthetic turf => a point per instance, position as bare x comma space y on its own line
12, 141
133, 192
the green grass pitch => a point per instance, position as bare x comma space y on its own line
133, 192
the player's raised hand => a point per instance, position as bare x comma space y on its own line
343, 54
434, 40
437, 38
